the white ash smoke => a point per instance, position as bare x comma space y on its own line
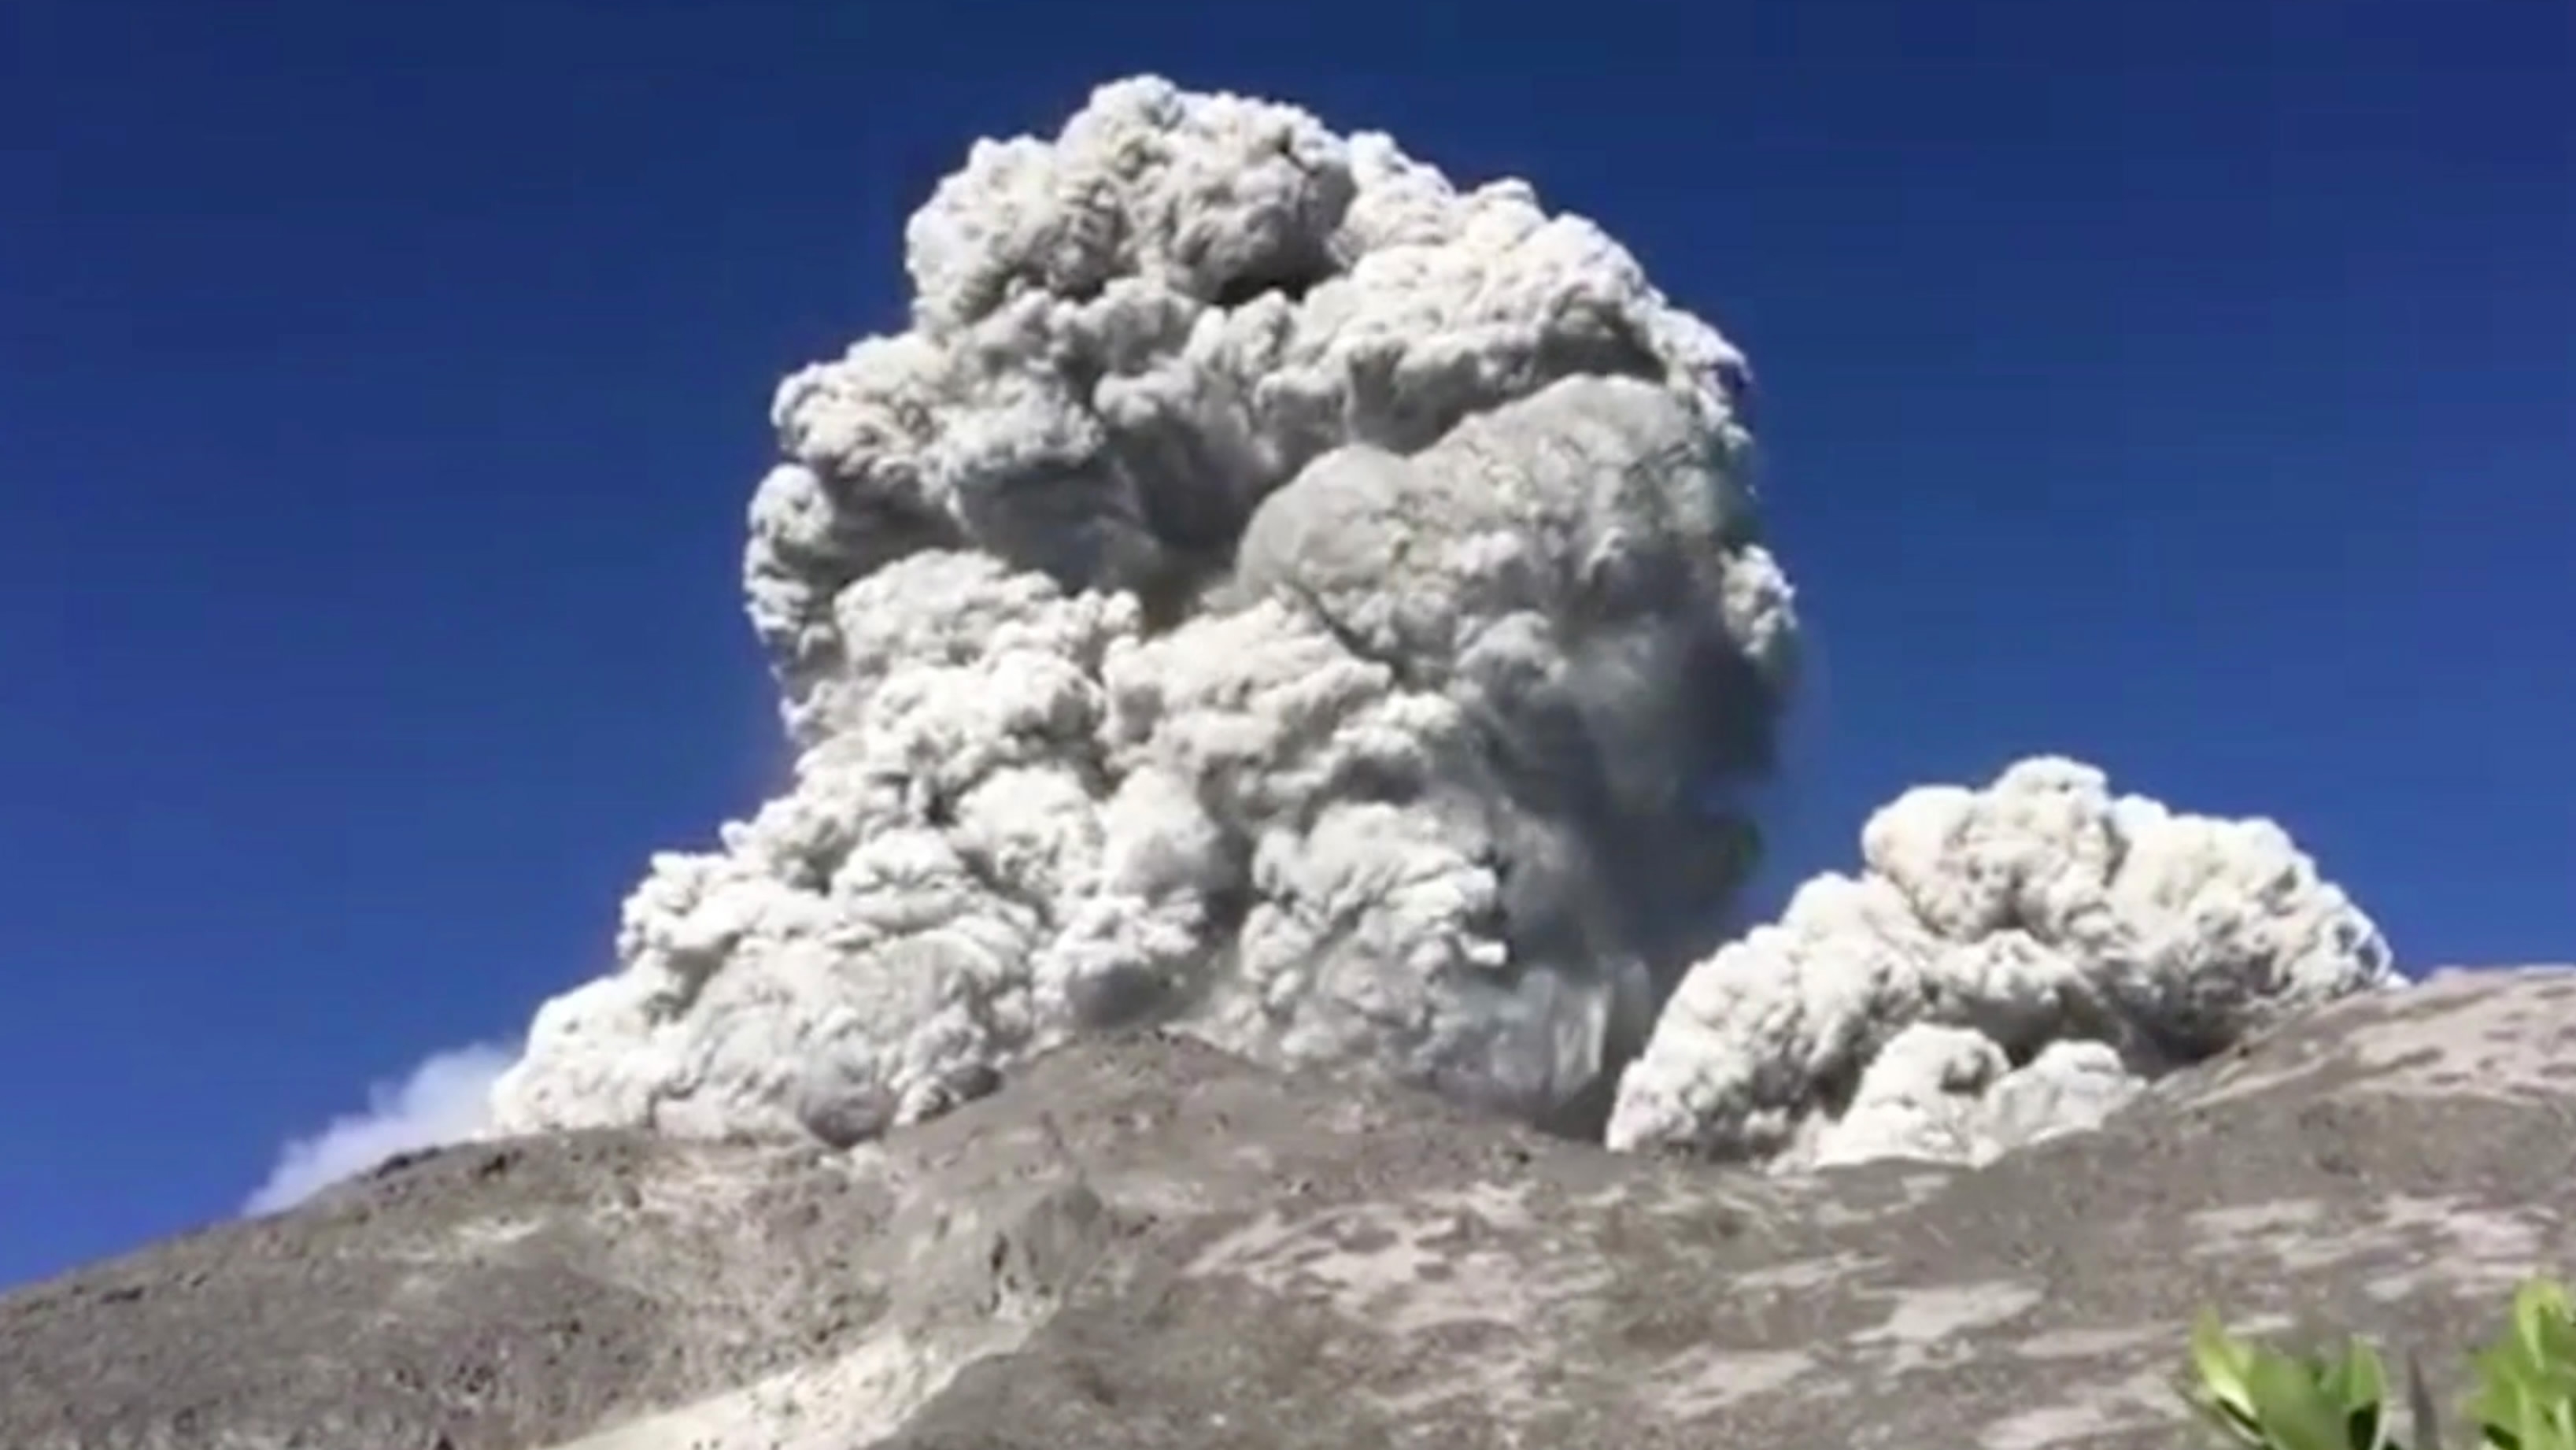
1267, 589
446, 1098
2010, 964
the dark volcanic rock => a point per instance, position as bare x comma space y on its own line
1140, 1243
501, 1294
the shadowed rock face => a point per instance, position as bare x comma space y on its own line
1141, 1244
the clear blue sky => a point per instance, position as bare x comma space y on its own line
2190, 387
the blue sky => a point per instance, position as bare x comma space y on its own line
2190, 387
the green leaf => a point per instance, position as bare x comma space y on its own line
2540, 1322
2545, 1329
2497, 1401
2295, 1411
2522, 1402
2524, 1396
2225, 1396
2536, 1427
2519, 1407
2360, 1386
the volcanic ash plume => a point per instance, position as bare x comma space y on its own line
1266, 589
2012, 963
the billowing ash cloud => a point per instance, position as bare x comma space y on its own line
445, 1099
1267, 589
2012, 963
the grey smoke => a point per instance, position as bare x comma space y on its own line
444, 1099
1267, 589
1274, 592
2010, 963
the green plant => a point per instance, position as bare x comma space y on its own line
2266, 1399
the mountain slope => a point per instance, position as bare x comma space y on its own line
1141, 1242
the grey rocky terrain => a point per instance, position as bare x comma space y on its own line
1140, 1242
